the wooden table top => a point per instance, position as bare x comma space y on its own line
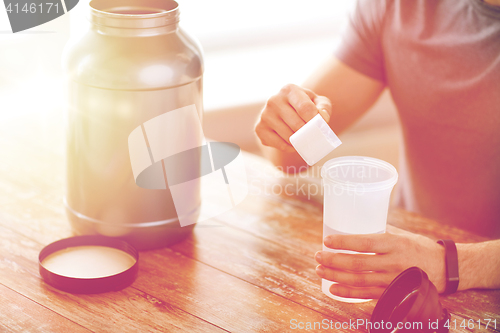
252, 272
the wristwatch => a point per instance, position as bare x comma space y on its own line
451, 259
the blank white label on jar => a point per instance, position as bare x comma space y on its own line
87, 262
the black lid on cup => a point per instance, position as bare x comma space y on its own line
410, 304
90, 285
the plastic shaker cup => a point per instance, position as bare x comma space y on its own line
356, 200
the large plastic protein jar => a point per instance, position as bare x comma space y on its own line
133, 64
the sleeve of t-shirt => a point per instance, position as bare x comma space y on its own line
361, 47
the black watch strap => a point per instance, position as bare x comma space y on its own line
451, 259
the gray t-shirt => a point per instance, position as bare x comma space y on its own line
441, 61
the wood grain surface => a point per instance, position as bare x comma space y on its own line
250, 269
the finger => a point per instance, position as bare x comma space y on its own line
291, 117
270, 138
322, 103
324, 106
352, 292
352, 279
352, 262
283, 131
309, 93
375, 243
302, 102
276, 123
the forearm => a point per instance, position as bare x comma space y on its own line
479, 265
350, 92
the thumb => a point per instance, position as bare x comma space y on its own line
324, 107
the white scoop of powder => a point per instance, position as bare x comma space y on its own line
314, 140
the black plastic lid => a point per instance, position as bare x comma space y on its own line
410, 304
89, 285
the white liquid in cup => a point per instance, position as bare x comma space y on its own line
356, 200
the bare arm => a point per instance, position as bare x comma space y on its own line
343, 93
479, 265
